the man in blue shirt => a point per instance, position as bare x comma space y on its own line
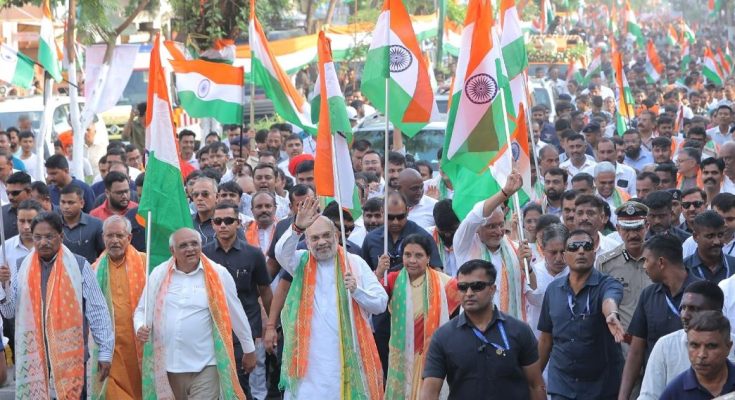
57, 172
709, 261
636, 155
711, 374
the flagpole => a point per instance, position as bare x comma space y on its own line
148, 227
529, 121
385, 175
45, 124
516, 201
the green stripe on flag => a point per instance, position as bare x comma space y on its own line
223, 111
515, 56
24, 73
273, 91
47, 58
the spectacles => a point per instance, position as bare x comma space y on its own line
574, 246
396, 217
476, 286
48, 238
15, 193
688, 204
226, 220
205, 195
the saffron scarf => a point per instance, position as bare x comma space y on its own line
62, 346
136, 272
680, 180
362, 375
251, 234
407, 350
155, 377
510, 281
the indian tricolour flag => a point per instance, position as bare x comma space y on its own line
15, 67
672, 38
574, 71
512, 41
210, 90
48, 52
333, 174
631, 25
164, 187
725, 65
395, 57
654, 67
688, 32
547, 15
475, 137
595, 66
710, 69
686, 58
625, 101
267, 73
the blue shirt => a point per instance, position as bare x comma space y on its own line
89, 196
686, 387
724, 270
585, 361
644, 158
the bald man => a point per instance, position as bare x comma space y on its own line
420, 206
330, 303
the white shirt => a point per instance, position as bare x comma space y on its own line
187, 321
32, 169
467, 244
264, 237
717, 136
15, 251
668, 359
358, 233
423, 212
622, 172
536, 297
324, 370
727, 185
728, 288
606, 244
434, 182
572, 170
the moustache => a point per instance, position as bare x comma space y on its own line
710, 180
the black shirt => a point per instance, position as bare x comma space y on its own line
10, 221
85, 238
372, 247
654, 317
687, 387
473, 369
246, 264
680, 234
138, 231
585, 362
695, 266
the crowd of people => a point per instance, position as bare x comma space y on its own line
622, 288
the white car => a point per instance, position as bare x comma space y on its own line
13, 108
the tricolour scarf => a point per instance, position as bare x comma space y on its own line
510, 279
619, 197
404, 373
362, 375
135, 271
155, 377
60, 318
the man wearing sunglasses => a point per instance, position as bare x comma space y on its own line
657, 312
709, 261
693, 203
246, 264
483, 352
580, 327
18, 187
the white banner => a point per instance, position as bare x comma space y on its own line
100, 92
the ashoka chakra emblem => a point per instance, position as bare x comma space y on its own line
203, 87
481, 88
400, 58
6, 55
515, 149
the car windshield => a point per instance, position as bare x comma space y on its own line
9, 119
136, 91
541, 96
423, 146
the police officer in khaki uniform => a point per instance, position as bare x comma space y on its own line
625, 262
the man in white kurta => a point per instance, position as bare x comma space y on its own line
324, 368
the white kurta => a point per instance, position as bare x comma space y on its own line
323, 374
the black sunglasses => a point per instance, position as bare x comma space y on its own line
226, 220
15, 193
574, 246
476, 286
688, 204
396, 217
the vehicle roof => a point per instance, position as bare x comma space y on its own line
377, 122
32, 103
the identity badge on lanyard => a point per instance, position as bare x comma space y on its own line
725, 263
585, 313
671, 306
499, 350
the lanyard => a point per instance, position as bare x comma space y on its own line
570, 303
499, 350
724, 262
671, 306
731, 247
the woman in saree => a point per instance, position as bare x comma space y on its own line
422, 299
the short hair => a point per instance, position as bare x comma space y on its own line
294, 136
26, 135
661, 141
72, 188
604, 166
710, 291
380, 157
554, 232
580, 232
711, 321
265, 166
261, 136
114, 176
718, 162
693, 153
361, 145
473, 265
724, 201
694, 190
57, 161
41, 188
591, 199
373, 204
709, 219
666, 246
583, 176
187, 132
444, 215
556, 171
422, 240
546, 148
423, 163
53, 219
30, 204
569, 194
603, 140
664, 120
531, 207
118, 218
575, 136
218, 146
298, 189
228, 206
19, 177
263, 193
304, 166
212, 182
396, 158
130, 148
632, 132
668, 167
696, 130
171, 237
658, 200
331, 211
115, 151
648, 175
140, 179
230, 186
547, 220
